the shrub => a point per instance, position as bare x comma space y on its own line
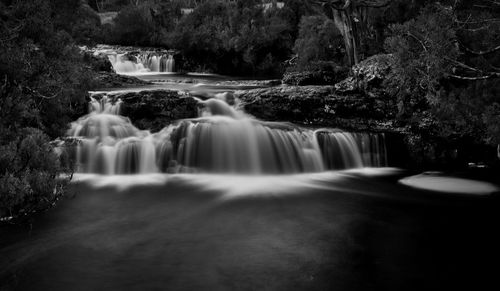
29, 169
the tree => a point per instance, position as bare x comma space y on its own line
317, 40
234, 38
43, 86
447, 67
436, 46
351, 18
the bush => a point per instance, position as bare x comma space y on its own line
133, 26
43, 85
29, 168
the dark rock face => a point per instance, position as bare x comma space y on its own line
320, 75
154, 110
319, 106
99, 63
113, 80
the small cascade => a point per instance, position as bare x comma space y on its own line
222, 144
221, 140
109, 143
142, 62
125, 64
343, 150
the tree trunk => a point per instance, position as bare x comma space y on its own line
345, 21
351, 18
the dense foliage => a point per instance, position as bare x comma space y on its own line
446, 69
43, 84
318, 40
239, 37
253, 37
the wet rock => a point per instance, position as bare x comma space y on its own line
98, 63
156, 109
319, 106
250, 83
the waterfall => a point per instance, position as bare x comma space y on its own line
142, 62
221, 140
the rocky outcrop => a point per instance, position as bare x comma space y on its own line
367, 76
305, 105
319, 75
113, 80
318, 106
155, 109
105, 76
98, 63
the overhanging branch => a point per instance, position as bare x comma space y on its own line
480, 53
479, 21
478, 78
345, 4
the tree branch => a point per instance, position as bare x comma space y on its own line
337, 4
464, 65
479, 21
493, 2
38, 94
418, 39
492, 75
475, 29
485, 52
373, 3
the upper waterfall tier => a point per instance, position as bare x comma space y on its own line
142, 62
135, 60
222, 140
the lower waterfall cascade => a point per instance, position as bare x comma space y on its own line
221, 140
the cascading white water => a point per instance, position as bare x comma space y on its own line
143, 62
221, 140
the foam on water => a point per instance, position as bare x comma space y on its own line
235, 186
448, 184
121, 182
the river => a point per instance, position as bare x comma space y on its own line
264, 207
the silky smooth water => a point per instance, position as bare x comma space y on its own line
222, 140
343, 230
143, 62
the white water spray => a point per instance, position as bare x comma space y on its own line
221, 140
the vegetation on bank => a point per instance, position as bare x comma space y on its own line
43, 86
446, 72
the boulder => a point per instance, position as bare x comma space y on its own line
368, 75
98, 63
